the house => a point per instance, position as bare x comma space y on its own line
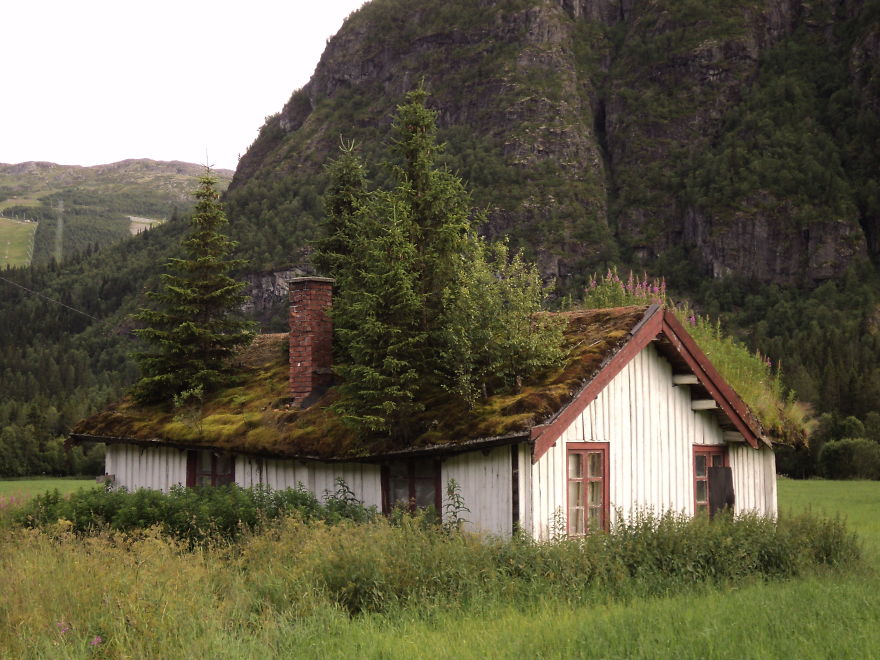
637, 417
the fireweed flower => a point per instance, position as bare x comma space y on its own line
62, 627
96, 641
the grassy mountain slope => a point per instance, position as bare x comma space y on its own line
79, 208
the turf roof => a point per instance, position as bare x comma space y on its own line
253, 414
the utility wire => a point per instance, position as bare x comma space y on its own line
52, 300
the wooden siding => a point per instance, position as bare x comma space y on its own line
754, 479
318, 478
651, 430
485, 480
157, 468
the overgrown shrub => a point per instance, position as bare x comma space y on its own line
378, 567
296, 552
191, 514
850, 458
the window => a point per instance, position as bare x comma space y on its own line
587, 487
209, 468
713, 483
414, 484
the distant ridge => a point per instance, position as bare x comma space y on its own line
81, 208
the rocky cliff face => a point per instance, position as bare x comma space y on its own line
598, 130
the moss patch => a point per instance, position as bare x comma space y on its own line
253, 414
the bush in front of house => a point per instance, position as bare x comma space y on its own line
381, 567
190, 514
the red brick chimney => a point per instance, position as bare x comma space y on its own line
311, 338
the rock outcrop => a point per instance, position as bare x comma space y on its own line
584, 125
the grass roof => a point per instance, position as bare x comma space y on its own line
254, 414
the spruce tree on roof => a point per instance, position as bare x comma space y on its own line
194, 325
422, 304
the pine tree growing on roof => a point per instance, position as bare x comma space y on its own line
422, 303
194, 324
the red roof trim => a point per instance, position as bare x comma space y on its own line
655, 323
545, 435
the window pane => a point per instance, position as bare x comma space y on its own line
702, 491
224, 464
399, 471
425, 493
717, 460
576, 520
595, 460
399, 490
575, 493
595, 521
700, 465
424, 469
702, 508
594, 494
575, 466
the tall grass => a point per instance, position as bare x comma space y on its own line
294, 586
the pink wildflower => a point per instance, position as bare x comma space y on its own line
62, 627
96, 641
692, 319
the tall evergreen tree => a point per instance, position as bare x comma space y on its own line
422, 303
194, 324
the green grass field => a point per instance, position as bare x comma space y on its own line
13, 491
16, 242
153, 599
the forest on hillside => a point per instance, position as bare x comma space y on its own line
734, 153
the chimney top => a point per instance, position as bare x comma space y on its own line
312, 278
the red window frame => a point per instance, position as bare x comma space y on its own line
715, 456
203, 468
585, 450
410, 466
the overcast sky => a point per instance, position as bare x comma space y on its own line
87, 82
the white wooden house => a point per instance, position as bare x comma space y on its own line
637, 418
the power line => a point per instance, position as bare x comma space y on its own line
52, 300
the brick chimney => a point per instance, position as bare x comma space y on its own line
311, 338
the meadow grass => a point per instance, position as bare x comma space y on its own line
115, 595
26, 488
16, 242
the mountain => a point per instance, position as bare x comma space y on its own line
730, 145
80, 208
741, 135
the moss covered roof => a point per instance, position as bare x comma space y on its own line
253, 414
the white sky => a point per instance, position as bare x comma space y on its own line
87, 82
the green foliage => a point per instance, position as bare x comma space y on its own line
194, 515
361, 563
491, 332
422, 302
193, 328
377, 317
850, 458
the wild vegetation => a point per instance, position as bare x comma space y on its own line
383, 588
